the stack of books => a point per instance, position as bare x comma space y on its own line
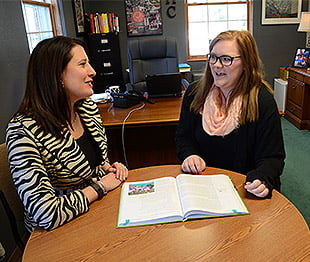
183, 68
103, 23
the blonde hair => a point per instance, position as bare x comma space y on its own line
250, 81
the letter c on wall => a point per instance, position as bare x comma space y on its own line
171, 11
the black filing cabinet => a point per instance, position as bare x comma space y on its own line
106, 60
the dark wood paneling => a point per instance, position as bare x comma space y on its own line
144, 146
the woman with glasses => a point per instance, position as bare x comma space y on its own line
229, 118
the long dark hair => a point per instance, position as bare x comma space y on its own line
45, 99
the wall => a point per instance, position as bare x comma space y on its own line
276, 43
14, 55
66, 8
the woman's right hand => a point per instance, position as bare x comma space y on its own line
110, 181
193, 164
120, 171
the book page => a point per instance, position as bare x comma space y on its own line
146, 202
210, 193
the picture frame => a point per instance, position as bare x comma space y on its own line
281, 11
301, 58
78, 9
143, 17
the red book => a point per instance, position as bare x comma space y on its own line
92, 23
110, 19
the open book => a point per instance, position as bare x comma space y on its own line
170, 199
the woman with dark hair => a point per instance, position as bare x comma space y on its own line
229, 118
56, 141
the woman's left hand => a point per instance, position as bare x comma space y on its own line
120, 171
257, 188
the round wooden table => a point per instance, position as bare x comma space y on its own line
273, 231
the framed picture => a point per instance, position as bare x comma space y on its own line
143, 17
281, 11
78, 10
301, 58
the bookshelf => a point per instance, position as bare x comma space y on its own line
102, 23
104, 49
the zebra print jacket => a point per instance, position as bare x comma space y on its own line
48, 173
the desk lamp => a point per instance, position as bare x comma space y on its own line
304, 26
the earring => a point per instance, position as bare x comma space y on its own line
62, 84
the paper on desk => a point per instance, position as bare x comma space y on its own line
101, 96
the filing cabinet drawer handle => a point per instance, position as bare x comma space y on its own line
103, 50
107, 64
107, 74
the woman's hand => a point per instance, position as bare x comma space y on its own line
193, 164
257, 188
120, 171
110, 181
115, 175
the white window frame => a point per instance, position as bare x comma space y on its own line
54, 15
191, 57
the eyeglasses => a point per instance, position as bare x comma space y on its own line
225, 60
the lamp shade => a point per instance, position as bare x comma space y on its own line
304, 25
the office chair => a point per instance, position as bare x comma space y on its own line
9, 199
151, 56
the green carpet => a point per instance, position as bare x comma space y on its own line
296, 174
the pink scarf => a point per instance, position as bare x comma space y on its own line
215, 120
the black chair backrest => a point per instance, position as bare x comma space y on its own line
150, 56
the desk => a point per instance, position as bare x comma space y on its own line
149, 132
274, 231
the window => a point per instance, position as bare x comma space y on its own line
42, 20
207, 18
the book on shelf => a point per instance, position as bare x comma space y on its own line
92, 23
110, 21
103, 23
97, 23
169, 199
116, 23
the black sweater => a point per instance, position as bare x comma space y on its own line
255, 149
